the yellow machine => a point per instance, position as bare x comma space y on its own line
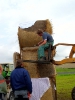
66, 60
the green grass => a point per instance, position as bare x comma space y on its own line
65, 84
65, 69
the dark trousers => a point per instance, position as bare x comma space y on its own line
21, 98
2, 96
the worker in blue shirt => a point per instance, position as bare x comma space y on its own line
47, 39
21, 82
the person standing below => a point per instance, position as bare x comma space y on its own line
47, 39
21, 82
3, 86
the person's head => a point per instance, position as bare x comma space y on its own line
40, 32
1, 69
19, 63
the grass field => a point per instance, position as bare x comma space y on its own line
65, 83
65, 69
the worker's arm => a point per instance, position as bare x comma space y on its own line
11, 82
40, 42
44, 42
28, 81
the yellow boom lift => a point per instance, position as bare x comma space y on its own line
66, 60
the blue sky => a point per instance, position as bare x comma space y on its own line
23, 13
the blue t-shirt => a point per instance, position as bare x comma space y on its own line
47, 36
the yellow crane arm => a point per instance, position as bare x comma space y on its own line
66, 60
